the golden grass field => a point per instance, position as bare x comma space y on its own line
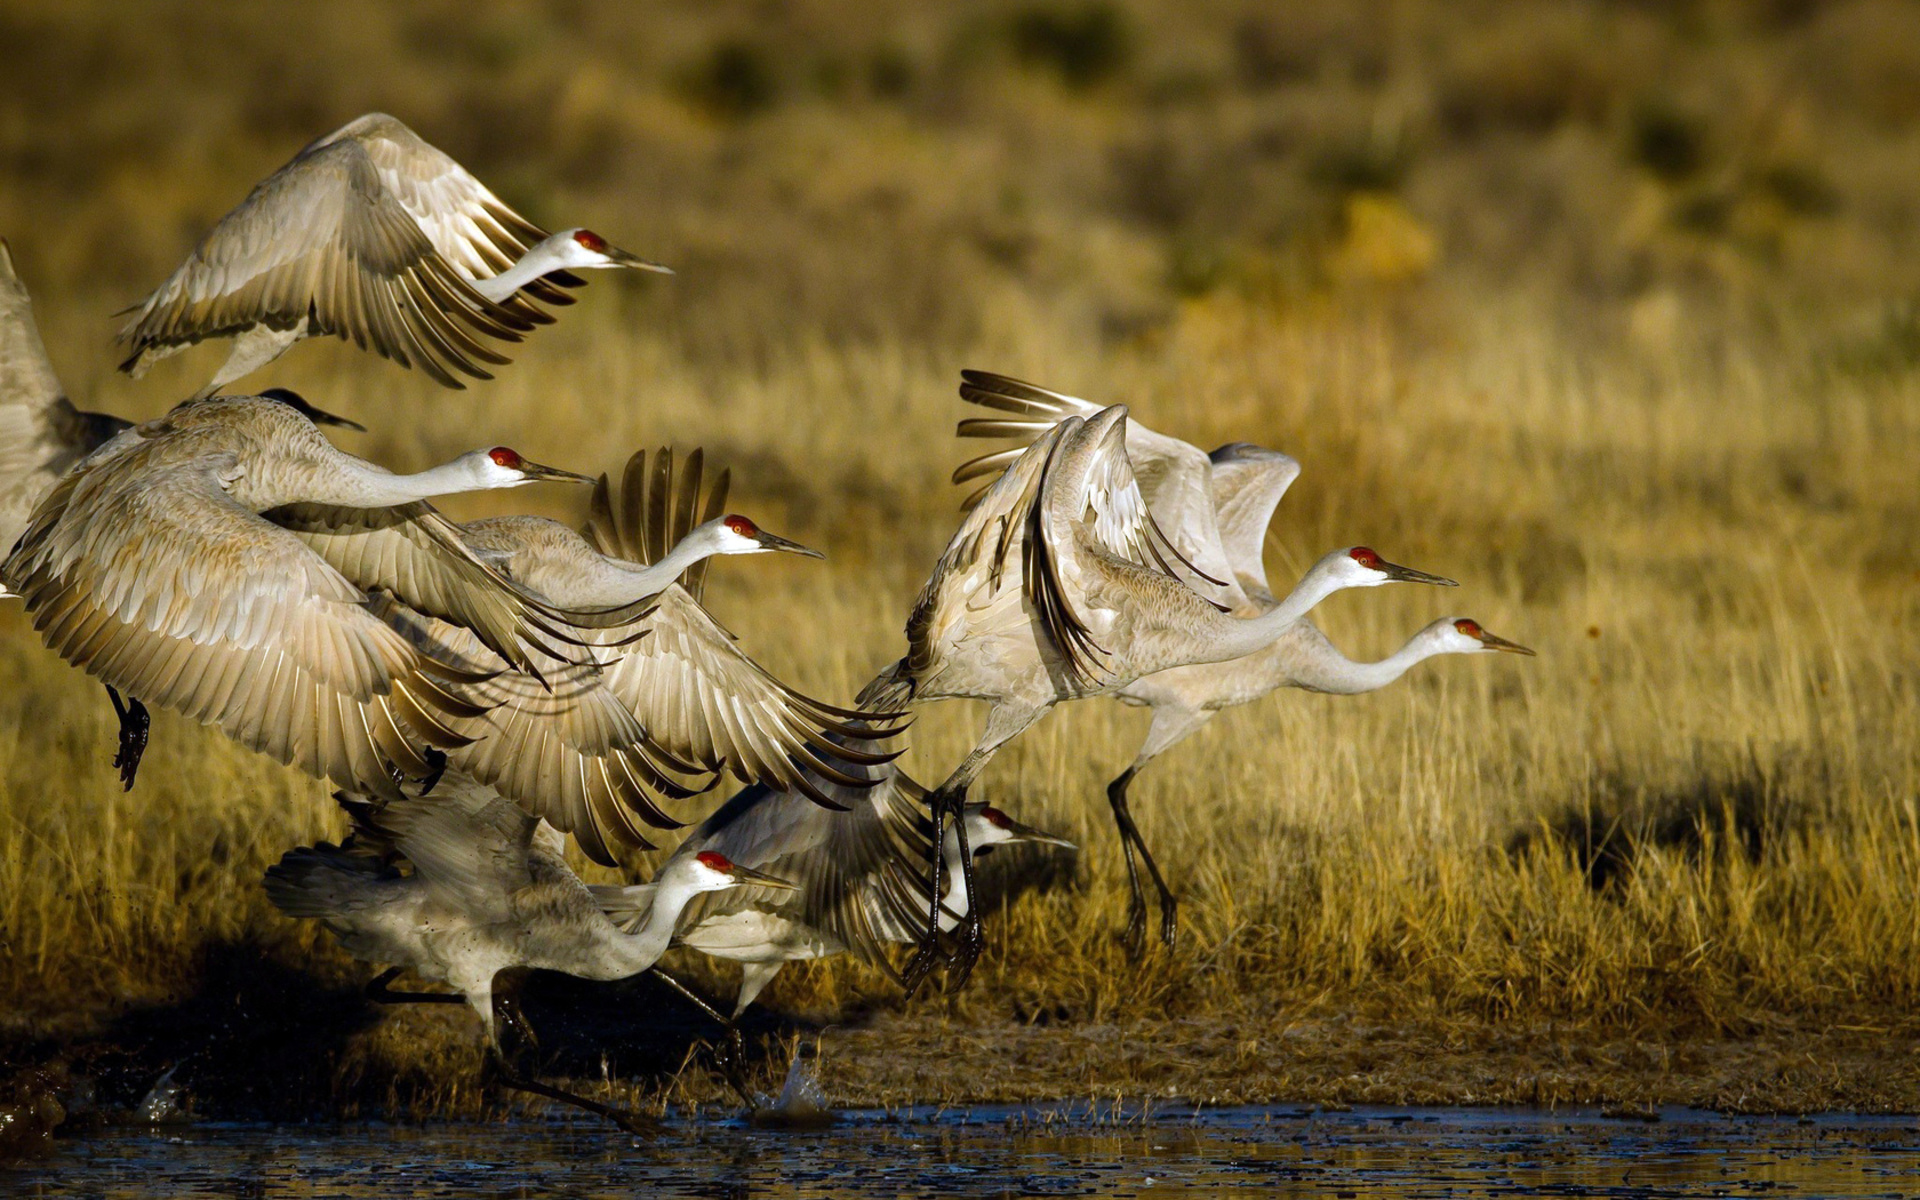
1635, 360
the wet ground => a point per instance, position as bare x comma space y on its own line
1015, 1151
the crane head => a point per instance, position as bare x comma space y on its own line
988, 827
712, 871
583, 249
1463, 635
503, 467
1359, 566
735, 534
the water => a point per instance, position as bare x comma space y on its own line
1010, 1151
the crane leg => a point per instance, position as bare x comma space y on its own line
1130, 840
378, 992
628, 1120
134, 724
930, 954
507, 1010
733, 1058
972, 937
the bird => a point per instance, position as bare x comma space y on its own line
372, 234
42, 435
489, 891
156, 565
1060, 585
680, 700
857, 876
1222, 503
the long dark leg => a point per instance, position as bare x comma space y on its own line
134, 724
378, 992
507, 1011
972, 938
731, 1060
1169, 907
1135, 936
929, 954
632, 1122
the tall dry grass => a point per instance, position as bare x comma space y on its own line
1634, 360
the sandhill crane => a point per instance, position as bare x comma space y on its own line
42, 435
1221, 503
857, 875
369, 233
489, 890
157, 566
680, 697
1059, 586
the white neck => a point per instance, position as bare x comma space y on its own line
624, 582
1243, 636
356, 483
538, 261
1328, 670
639, 950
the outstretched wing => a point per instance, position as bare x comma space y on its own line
1173, 475
467, 843
147, 575
1248, 483
472, 228
861, 874
323, 240
423, 559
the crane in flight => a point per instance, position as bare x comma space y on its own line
1059, 585
489, 891
680, 703
372, 234
160, 565
1220, 506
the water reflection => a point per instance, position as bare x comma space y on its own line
1014, 1152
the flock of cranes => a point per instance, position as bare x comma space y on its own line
480, 691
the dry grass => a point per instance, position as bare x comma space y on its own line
1634, 363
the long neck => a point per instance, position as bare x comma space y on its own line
642, 948
624, 583
532, 265
1328, 670
1242, 636
356, 483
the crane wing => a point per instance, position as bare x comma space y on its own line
323, 240
563, 747
861, 874
41, 434
468, 844
1248, 483
421, 557
147, 575
473, 229
1173, 476
654, 511
702, 700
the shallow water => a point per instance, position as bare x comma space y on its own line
1068, 1151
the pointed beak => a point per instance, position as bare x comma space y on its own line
321, 416
773, 541
1398, 574
1492, 642
747, 875
1027, 833
540, 471
623, 259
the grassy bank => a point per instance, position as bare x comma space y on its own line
1636, 363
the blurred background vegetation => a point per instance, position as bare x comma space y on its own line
1609, 309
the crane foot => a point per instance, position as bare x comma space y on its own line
134, 726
